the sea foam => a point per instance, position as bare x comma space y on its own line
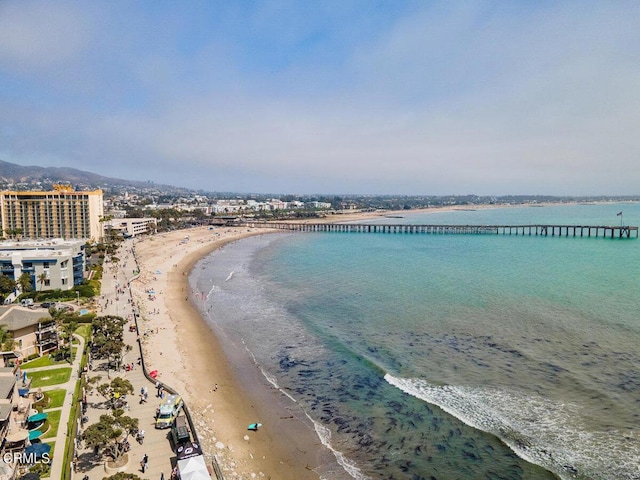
536, 429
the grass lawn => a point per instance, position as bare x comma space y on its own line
42, 362
84, 330
53, 420
56, 398
46, 378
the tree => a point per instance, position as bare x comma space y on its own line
42, 279
6, 339
66, 334
25, 282
7, 286
123, 476
117, 388
107, 339
110, 433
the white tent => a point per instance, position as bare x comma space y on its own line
191, 464
193, 468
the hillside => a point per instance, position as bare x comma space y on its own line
13, 176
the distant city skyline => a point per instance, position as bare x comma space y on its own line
361, 97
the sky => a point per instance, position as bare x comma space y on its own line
322, 96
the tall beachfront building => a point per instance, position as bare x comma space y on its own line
61, 213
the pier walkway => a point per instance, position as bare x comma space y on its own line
621, 231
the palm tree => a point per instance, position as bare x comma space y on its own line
42, 279
25, 282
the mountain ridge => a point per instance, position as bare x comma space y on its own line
12, 173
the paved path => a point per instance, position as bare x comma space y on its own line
156, 443
61, 437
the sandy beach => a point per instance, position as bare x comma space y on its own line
189, 357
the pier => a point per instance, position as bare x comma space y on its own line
588, 231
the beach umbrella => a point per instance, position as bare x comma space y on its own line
37, 417
38, 449
30, 476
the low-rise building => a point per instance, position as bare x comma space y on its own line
131, 227
33, 331
52, 264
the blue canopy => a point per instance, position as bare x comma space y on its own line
38, 449
37, 417
33, 434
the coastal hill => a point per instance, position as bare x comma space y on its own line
18, 177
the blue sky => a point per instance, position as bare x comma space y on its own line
380, 97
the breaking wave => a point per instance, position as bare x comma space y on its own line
542, 432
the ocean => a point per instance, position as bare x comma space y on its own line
421, 356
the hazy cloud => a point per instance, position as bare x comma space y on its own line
480, 97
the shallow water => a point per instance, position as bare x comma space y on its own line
448, 356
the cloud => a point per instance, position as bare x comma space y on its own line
39, 35
445, 98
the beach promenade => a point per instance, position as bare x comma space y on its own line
116, 300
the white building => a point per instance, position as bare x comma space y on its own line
52, 264
131, 227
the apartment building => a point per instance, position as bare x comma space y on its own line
52, 264
61, 213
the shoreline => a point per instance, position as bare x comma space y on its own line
189, 354
182, 346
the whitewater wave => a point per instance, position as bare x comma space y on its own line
537, 430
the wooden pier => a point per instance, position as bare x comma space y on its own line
621, 231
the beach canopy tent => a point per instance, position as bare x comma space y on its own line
191, 464
193, 468
38, 417
38, 449
33, 434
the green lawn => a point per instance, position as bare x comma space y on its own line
56, 398
53, 420
84, 330
46, 378
45, 361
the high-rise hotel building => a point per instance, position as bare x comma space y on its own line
62, 213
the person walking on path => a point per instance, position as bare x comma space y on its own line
144, 462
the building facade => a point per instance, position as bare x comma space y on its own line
61, 213
52, 264
131, 227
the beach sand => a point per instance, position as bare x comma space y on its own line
182, 347
190, 359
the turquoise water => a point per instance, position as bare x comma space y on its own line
448, 356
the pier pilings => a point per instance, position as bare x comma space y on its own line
621, 231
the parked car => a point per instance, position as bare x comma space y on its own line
47, 304
180, 431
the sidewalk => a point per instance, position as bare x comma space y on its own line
65, 411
